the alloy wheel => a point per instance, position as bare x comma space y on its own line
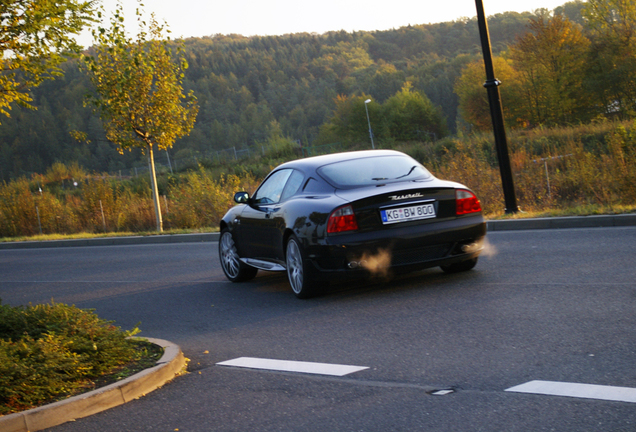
295, 266
229, 256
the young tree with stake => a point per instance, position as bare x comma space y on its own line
139, 89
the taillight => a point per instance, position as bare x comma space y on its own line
342, 219
467, 202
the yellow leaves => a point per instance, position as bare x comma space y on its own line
138, 84
34, 47
79, 136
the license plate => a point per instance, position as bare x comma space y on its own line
405, 214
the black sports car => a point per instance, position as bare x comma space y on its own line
349, 215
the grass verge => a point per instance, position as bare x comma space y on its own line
54, 351
84, 235
586, 210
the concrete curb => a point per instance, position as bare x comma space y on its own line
596, 221
169, 366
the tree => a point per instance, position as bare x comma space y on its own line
473, 98
410, 115
36, 36
349, 121
572, 10
382, 80
296, 82
551, 60
139, 91
612, 25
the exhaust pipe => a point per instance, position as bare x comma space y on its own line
356, 264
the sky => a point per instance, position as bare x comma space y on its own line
196, 18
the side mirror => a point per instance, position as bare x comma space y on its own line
242, 197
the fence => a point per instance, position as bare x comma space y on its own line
545, 164
232, 154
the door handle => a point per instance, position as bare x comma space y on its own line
270, 211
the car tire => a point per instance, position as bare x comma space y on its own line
300, 274
234, 269
460, 266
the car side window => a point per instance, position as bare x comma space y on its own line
314, 186
271, 190
293, 184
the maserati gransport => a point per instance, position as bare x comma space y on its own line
350, 215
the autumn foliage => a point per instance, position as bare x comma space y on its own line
587, 166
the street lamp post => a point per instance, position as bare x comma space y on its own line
369, 121
496, 112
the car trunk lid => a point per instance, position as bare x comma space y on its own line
393, 205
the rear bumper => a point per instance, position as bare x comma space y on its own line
406, 248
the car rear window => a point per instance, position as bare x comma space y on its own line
373, 171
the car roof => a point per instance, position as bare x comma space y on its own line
315, 162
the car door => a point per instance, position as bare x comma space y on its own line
260, 218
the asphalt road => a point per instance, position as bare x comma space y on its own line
555, 305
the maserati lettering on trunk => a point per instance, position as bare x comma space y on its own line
403, 197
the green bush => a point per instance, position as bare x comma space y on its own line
51, 351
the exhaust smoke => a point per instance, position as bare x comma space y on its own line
377, 264
488, 250
482, 246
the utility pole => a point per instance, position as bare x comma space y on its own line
496, 112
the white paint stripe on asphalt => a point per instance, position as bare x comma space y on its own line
586, 391
293, 366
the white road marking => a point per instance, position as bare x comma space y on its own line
442, 392
293, 366
586, 391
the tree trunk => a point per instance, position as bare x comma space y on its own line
155, 190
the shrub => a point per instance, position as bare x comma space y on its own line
201, 200
50, 351
592, 164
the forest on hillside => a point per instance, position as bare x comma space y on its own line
569, 98
310, 88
